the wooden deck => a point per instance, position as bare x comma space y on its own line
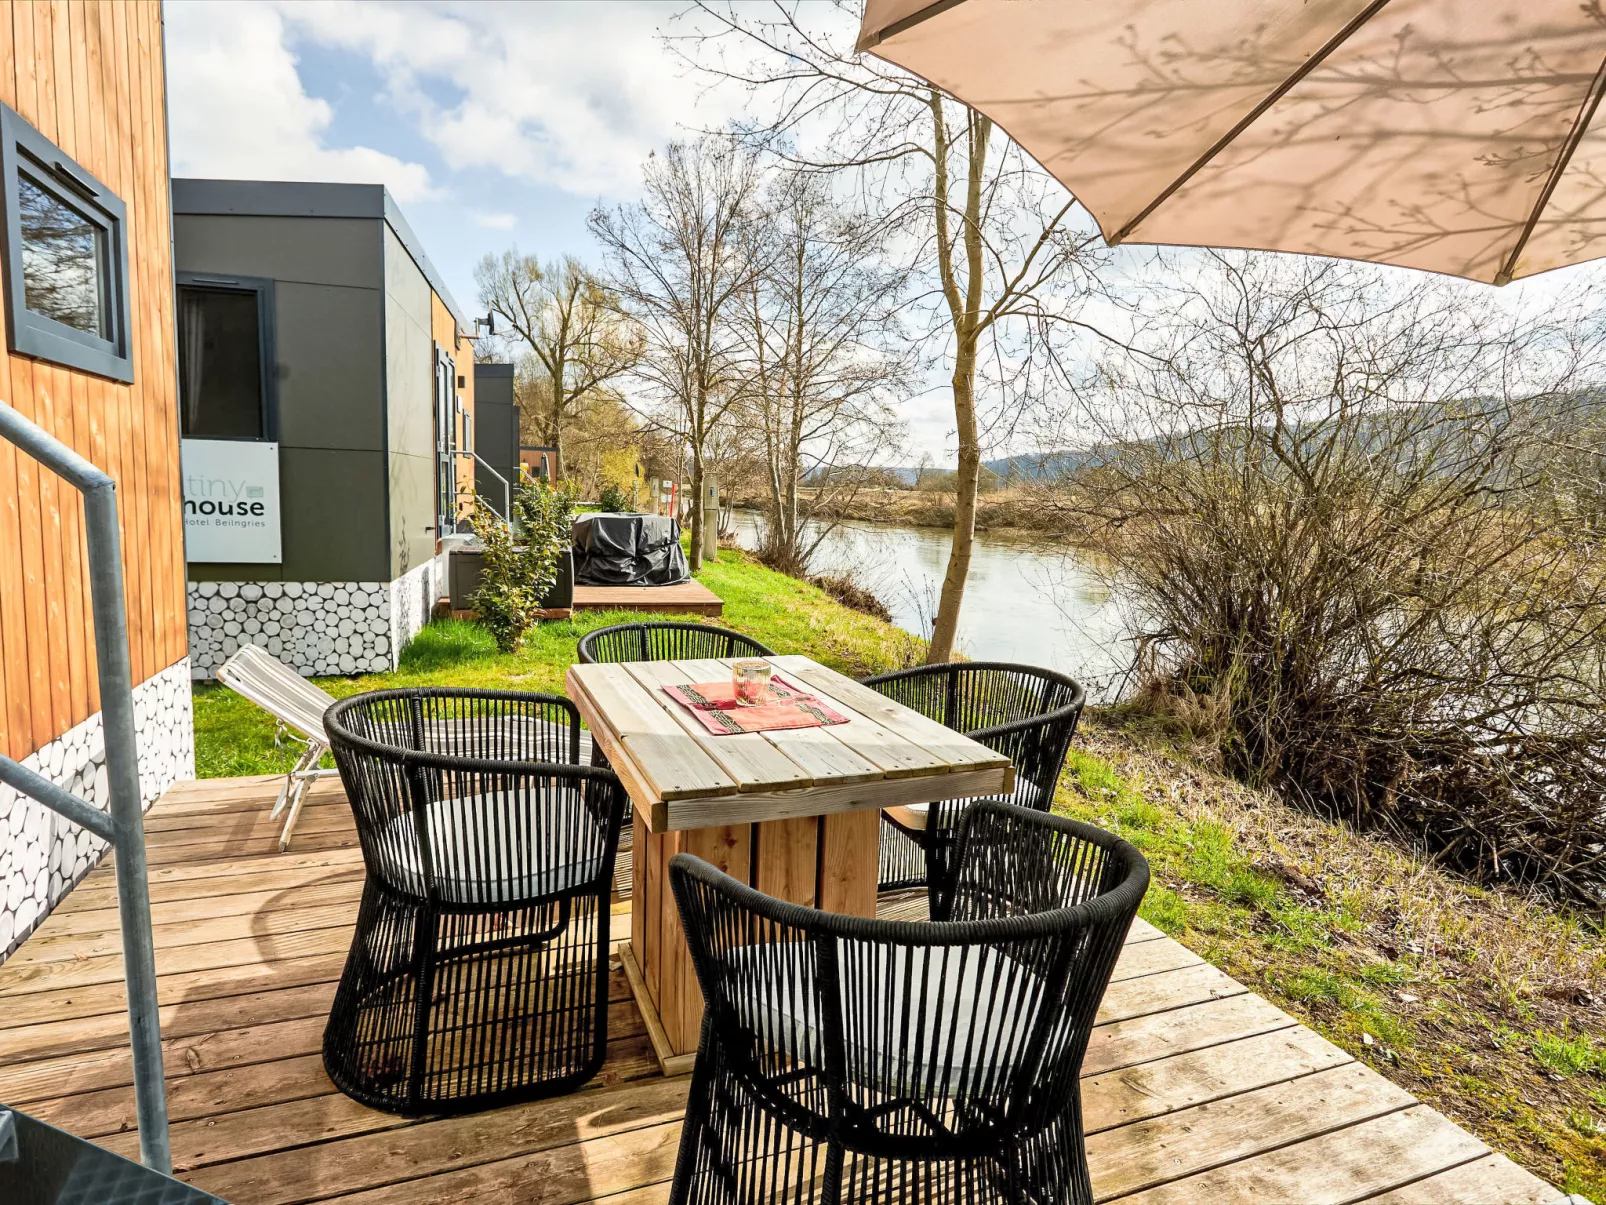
688, 598
1196, 1090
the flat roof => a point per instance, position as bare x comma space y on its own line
312, 199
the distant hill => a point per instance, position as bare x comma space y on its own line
1026, 466
1039, 466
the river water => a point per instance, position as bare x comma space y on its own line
1022, 603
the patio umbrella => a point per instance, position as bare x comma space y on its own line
1450, 135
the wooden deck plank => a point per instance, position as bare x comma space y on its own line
1118, 1098
187, 987
449, 1144
688, 598
1349, 1164
1492, 1178
1151, 1153
1195, 1090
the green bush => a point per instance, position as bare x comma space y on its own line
614, 501
519, 572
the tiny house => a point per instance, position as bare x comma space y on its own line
89, 357
496, 434
326, 390
538, 461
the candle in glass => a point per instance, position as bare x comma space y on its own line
751, 678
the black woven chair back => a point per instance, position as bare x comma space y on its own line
666, 642
901, 1061
1027, 713
490, 855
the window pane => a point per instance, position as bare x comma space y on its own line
62, 254
220, 363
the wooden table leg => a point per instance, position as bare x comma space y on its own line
850, 862
824, 861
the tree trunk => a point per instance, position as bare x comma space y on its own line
946, 625
697, 550
560, 368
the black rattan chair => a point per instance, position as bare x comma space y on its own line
478, 974
1023, 711
845, 1059
666, 642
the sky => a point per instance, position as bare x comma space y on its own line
492, 125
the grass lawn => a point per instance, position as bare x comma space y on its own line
234, 737
1484, 1004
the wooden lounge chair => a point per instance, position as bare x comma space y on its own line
298, 706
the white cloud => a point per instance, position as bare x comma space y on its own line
568, 95
238, 109
497, 221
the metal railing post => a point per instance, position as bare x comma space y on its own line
126, 829
507, 490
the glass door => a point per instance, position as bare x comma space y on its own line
445, 444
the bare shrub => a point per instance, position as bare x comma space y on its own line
1320, 491
850, 592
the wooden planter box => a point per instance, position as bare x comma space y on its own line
465, 569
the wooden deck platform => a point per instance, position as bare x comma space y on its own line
688, 598
1196, 1090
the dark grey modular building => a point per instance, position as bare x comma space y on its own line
496, 433
327, 413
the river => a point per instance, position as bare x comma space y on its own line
1021, 603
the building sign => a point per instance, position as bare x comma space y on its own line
231, 500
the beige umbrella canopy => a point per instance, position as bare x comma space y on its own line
1451, 135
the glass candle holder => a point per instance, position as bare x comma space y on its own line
751, 678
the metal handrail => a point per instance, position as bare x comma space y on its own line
507, 490
124, 827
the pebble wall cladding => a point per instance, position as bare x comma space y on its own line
42, 855
316, 628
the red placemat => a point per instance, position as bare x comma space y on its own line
714, 703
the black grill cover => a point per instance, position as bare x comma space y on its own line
628, 550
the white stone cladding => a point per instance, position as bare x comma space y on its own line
316, 628
42, 855
413, 596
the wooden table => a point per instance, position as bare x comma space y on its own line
795, 813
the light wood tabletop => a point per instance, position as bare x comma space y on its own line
794, 813
686, 778
683, 777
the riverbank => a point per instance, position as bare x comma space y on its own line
1484, 1005
1025, 600
1005, 511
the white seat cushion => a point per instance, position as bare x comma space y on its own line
912, 1026
487, 849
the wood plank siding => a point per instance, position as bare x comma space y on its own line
443, 328
88, 74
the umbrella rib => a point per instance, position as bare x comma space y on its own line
1586, 114
1276, 94
909, 22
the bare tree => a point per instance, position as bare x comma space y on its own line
1005, 258
1320, 494
678, 265
823, 362
565, 318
